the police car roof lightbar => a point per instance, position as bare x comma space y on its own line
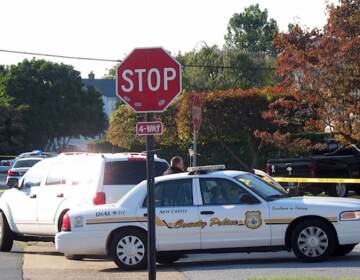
206, 168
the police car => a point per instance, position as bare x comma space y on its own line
213, 210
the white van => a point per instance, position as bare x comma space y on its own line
71, 180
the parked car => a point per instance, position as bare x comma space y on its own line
53, 186
36, 153
334, 162
210, 210
5, 165
20, 167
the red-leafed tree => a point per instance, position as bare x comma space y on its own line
321, 72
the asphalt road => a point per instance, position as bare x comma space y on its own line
40, 261
11, 264
245, 266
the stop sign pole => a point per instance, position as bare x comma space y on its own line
151, 234
148, 80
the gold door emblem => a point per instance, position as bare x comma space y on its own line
253, 219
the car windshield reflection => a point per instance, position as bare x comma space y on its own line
262, 188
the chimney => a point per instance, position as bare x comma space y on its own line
91, 75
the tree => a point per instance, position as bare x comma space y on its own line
230, 120
320, 70
11, 128
111, 73
58, 106
122, 127
251, 31
206, 78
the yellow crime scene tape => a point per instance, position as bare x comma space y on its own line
316, 180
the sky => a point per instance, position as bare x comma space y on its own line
112, 28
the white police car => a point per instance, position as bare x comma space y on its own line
209, 210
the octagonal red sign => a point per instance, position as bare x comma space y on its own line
148, 80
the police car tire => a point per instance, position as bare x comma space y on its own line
319, 226
342, 250
6, 235
167, 258
133, 233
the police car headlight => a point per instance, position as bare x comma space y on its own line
350, 216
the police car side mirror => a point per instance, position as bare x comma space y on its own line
248, 199
293, 192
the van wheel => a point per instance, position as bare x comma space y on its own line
342, 250
167, 258
313, 240
338, 190
6, 235
129, 249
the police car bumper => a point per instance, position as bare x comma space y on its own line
348, 232
91, 243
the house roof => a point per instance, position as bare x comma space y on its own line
104, 86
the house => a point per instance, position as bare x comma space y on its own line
107, 88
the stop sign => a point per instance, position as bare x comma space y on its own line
148, 80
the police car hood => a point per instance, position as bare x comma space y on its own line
316, 201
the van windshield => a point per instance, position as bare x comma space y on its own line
129, 172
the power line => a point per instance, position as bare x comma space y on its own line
61, 56
118, 60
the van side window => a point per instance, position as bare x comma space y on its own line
32, 178
56, 176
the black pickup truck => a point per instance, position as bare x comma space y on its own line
334, 162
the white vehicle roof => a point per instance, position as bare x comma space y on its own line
219, 173
109, 156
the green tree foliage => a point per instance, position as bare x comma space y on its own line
11, 128
122, 127
111, 73
227, 135
243, 75
58, 107
252, 31
230, 121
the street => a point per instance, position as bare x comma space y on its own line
40, 261
11, 264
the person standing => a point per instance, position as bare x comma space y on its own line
176, 166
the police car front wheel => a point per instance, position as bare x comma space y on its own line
129, 249
313, 240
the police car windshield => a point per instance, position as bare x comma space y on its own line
261, 188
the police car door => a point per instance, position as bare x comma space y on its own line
230, 220
177, 219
